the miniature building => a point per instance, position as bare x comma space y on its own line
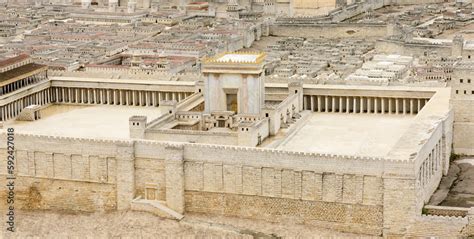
234, 83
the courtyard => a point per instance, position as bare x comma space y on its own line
95, 121
348, 134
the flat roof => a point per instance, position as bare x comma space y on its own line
238, 58
349, 134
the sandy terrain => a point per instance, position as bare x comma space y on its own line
44, 224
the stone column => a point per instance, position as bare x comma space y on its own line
376, 105
383, 105
140, 98
174, 177
418, 105
390, 106
333, 104
404, 106
125, 175
355, 107
134, 100
326, 104
412, 110
312, 103
348, 108
341, 106
369, 105
397, 106
319, 103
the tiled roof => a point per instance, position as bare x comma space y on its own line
13, 60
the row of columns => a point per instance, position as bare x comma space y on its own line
12, 109
430, 165
22, 83
89, 96
362, 104
114, 96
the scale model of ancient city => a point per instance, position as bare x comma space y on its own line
237, 118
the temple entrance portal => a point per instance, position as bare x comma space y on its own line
231, 100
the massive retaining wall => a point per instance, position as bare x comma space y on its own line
335, 191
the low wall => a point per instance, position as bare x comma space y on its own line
437, 226
411, 49
202, 137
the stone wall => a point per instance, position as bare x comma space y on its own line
197, 136
66, 174
463, 102
411, 2
411, 49
437, 226
330, 31
347, 193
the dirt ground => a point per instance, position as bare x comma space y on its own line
456, 189
131, 224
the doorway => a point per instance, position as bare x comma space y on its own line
231, 100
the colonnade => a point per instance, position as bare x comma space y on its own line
114, 96
12, 109
363, 104
430, 165
89, 96
22, 83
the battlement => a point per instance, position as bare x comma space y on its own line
241, 57
46, 138
279, 152
227, 148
